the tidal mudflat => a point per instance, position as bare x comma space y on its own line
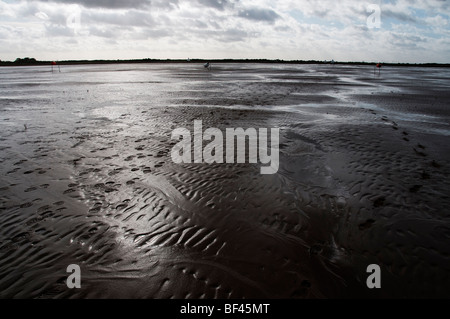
87, 178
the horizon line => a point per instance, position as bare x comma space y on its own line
32, 61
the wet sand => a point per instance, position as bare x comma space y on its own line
87, 179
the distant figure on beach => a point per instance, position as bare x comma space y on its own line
378, 66
207, 66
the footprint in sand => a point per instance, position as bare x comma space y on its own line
43, 209
395, 125
146, 170
419, 152
70, 190
25, 205
20, 162
160, 154
94, 210
115, 171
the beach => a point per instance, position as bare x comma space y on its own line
87, 178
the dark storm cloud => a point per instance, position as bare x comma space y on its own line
258, 14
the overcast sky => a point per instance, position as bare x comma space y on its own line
408, 31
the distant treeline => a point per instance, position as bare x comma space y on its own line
32, 61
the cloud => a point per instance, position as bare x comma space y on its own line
400, 16
259, 14
437, 21
411, 30
111, 4
216, 4
128, 18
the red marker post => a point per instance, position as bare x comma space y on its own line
54, 63
378, 66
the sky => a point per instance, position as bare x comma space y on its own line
415, 31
